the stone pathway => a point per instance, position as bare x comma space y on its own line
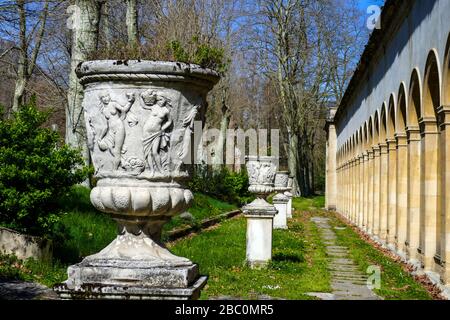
19, 290
348, 282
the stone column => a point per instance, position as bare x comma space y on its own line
345, 188
331, 174
392, 195
280, 202
356, 193
353, 212
366, 191
376, 191
429, 191
361, 192
402, 192
370, 189
383, 191
444, 115
413, 229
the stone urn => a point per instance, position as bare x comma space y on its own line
260, 213
281, 181
139, 119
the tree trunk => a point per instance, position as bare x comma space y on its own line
22, 68
107, 26
293, 163
84, 42
132, 24
26, 64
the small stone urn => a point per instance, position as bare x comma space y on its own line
259, 213
139, 119
280, 201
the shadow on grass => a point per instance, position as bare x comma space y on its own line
287, 257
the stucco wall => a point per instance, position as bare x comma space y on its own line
426, 27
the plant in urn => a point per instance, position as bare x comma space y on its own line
139, 119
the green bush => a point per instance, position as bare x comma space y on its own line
202, 54
35, 169
223, 184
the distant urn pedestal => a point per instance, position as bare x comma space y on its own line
288, 193
280, 201
260, 213
139, 119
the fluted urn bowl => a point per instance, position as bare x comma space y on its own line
261, 173
140, 118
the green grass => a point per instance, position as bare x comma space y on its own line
396, 284
31, 270
204, 207
83, 231
299, 262
311, 203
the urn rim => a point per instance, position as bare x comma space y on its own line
261, 158
146, 67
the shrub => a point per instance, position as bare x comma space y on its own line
223, 184
35, 169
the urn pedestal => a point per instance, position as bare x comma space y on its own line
288, 193
280, 200
139, 119
260, 213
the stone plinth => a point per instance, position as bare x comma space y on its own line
289, 195
280, 202
259, 216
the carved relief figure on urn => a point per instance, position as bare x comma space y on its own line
156, 138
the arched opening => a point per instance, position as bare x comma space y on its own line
370, 198
414, 165
413, 112
391, 119
401, 111
384, 181
391, 172
431, 92
376, 129
376, 175
383, 130
402, 171
430, 219
446, 80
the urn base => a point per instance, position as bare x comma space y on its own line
123, 279
99, 291
132, 267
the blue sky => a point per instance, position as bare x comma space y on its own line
366, 3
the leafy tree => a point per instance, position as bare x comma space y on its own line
35, 170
